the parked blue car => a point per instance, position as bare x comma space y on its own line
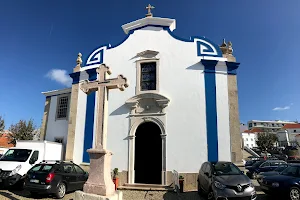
286, 184
277, 171
263, 166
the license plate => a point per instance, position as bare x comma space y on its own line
34, 181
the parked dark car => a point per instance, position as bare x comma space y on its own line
250, 162
286, 184
263, 166
281, 156
277, 171
224, 180
55, 178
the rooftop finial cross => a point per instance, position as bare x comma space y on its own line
149, 7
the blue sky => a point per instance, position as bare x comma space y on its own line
39, 36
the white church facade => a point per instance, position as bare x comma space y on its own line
180, 109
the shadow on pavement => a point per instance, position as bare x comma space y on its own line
195, 196
183, 196
7, 195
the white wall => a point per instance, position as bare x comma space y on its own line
249, 139
293, 131
56, 128
182, 81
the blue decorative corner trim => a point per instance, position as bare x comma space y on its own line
205, 47
232, 67
211, 109
92, 74
96, 57
75, 77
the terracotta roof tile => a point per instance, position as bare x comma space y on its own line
254, 130
4, 141
291, 126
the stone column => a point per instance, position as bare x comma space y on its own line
131, 143
235, 137
164, 156
72, 122
234, 119
45, 118
73, 111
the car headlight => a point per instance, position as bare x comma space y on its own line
219, 185
275, 184
15, 170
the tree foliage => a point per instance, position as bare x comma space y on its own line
2, 124
22, 130
265, 141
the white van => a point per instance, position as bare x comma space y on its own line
16, 162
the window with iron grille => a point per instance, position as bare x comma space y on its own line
148, 76
62, 107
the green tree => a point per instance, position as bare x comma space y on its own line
2, 124
22, 130
265, 140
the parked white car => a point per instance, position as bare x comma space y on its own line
16, 162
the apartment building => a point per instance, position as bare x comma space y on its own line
269, 126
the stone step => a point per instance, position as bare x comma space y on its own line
139, 186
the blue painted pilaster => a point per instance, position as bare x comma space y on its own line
211, 109
89, 118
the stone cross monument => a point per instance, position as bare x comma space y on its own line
100, 181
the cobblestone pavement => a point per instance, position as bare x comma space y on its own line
22, 195
129, 195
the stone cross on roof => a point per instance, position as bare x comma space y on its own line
149, 7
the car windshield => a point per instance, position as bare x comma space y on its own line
257, 164
291, 171
226, 169
18, 155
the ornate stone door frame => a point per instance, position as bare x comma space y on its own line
147, 107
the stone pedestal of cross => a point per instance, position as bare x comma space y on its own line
100, 181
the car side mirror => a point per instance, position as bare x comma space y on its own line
242, 172
32, 161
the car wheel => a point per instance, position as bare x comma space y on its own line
294, 193
61, 191
199, 188
210, 195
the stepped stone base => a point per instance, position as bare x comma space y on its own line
79, 195
145, 187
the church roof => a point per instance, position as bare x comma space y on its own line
57, 92
147, 21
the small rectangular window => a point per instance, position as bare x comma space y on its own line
62, 107
148, 76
